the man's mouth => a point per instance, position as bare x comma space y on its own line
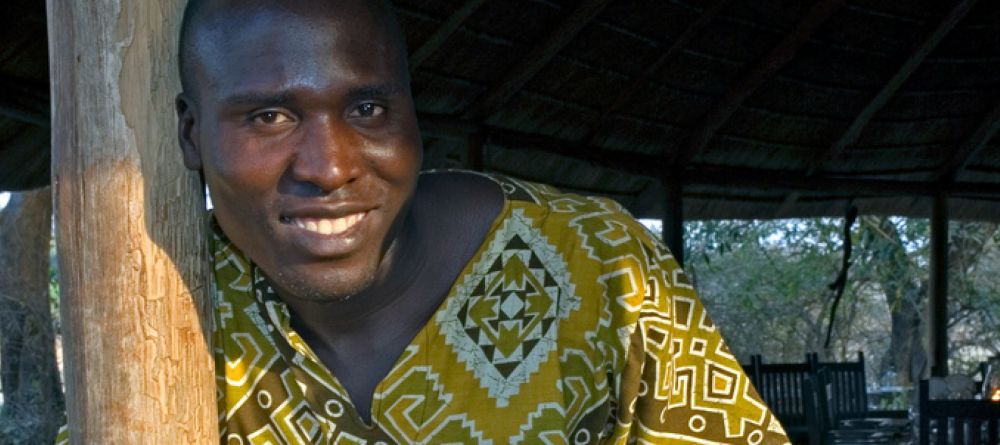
328, 226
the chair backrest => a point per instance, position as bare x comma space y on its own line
848, 393
780, 385
816, 391
957, 422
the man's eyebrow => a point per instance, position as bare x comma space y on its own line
372, 91
258, 98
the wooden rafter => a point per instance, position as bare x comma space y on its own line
448, 127
763, 70
672, 51
972, 144
895, 83
787, 204
535, 60
652, 166
449, 26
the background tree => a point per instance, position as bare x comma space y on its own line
765, 283
32, 393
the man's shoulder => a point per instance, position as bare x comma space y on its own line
556, 200
599, 211
601, 225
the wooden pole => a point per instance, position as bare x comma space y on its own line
134, 270
474, 145
673, 217
938, 306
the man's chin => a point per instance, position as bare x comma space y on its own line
331, 290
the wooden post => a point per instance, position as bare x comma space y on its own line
475, 147
134, 270
938, 307
673, 217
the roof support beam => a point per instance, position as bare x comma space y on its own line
475, 144
792, 181
972, 144
787, 204
534, 61
672, 51
938, 305
449, 26
763, 70
452, 128
653, 166
895, 83
673, 216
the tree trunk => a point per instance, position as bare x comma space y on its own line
906, 293
133, 267
33, 398
907, 355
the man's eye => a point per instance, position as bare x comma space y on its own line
271, 118
368, 109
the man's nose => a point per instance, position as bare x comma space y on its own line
329, 156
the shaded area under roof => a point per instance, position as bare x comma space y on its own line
764, 109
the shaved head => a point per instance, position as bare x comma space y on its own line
205, 20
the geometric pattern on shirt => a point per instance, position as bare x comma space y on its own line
503, 321
635, 357
693, 396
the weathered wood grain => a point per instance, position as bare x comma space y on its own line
130, 229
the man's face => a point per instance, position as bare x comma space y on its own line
305, 130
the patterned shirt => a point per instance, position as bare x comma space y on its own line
570, 325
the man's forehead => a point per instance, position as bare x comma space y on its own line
230, 14
308, 7
217, 28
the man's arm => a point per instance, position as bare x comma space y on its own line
680, 383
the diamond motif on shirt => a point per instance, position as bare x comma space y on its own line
512, 305
504, 320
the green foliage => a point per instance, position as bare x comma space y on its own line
766, 285
54, 286
896, 401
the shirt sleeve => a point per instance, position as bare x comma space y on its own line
680, 383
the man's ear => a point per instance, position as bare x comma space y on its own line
187, 129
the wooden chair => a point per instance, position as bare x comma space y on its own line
849, 394
957, 422
829, 425
780, 385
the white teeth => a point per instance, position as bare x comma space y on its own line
339, 225
328, 226
325, 227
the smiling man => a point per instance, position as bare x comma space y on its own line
359, 301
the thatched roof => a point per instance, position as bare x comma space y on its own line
760, 108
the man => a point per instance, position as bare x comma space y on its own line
359, 301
